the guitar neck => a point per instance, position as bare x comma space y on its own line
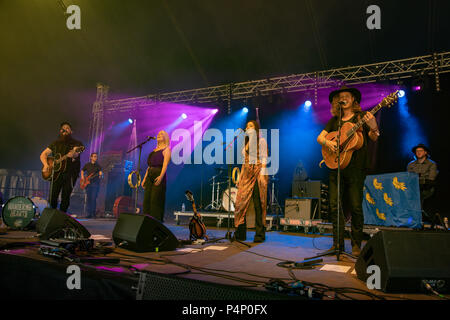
362, 121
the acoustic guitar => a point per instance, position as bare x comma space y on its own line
197, 229
351, 137
57, 164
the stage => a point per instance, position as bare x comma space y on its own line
27, 274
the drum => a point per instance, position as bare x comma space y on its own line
226, 200
18, 212
123, 204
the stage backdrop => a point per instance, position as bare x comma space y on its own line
392, 199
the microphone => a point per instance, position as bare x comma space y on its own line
151, 138
342, 102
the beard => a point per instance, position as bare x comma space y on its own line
64, 137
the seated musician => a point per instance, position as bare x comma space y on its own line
426, 169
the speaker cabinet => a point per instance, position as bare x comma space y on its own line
304, 208
143, 233
57, 224
405, 258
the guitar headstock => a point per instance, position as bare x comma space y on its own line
79, 149
189, 196
390, 99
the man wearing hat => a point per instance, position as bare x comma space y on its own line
352, 176
426, 169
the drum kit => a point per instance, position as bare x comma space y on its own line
220, 193
19, 213
221, 200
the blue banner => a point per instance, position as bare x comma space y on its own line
392, 199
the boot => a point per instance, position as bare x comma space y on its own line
241, 233
260, 234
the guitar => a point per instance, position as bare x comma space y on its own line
351, 137
57, 164
87, 180
197, 229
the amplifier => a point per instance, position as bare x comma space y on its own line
301, 208
310, 188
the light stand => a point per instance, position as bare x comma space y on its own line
338, 250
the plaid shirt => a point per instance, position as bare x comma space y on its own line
427, 170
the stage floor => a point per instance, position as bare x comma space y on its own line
226, 262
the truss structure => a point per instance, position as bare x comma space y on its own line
433, 64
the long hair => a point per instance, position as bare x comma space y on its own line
166, 138
247, 140
356, 107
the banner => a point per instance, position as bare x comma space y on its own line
392, 199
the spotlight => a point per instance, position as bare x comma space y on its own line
130, 121
245, 109
417, 88
214, 111
401, 93
184, 115
308, 103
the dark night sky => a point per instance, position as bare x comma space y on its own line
49, 73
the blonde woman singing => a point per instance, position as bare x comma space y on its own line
154, 181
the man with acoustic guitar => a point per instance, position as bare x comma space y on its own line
91, 182
65, 178
353, 175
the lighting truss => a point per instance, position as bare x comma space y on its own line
433, 64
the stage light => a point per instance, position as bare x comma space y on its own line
401, 93
130, 121
308, 103
215, 111
417, 88
184, 115
245, 109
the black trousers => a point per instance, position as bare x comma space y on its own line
91, 203
352, 184
260, 231
64, 185
154, 196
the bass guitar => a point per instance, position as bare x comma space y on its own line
351, 137
87, 180
57, 164
197, 229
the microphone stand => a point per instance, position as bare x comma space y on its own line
228, 235
138, 175
338, 251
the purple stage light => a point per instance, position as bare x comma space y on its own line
184, 115
130, 121
417, 88
214, 111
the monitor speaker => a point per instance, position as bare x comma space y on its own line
143, 233
57, 224
405, 258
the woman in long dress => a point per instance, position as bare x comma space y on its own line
252, 184
154, 181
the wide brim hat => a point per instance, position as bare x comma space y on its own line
421, 145
355, 92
